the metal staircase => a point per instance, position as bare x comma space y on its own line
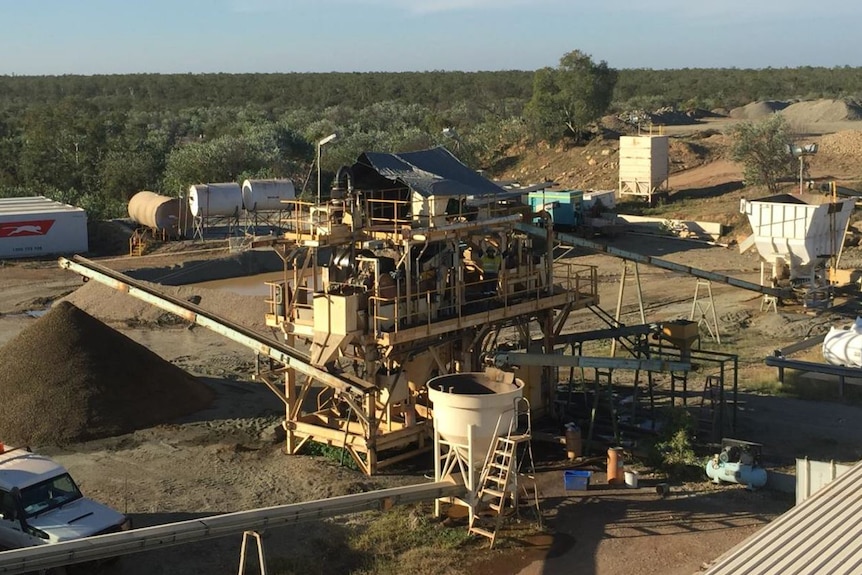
499, 482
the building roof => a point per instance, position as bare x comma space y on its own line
820, 535
434, 172
34, 205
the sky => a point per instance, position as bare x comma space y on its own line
53, 37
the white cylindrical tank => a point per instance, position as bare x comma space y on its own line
266, 195
843, 346
223, 199
469, 405
155, 211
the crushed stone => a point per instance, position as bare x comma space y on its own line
68, 377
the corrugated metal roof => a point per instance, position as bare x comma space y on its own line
434, 172
822, 535
33, 205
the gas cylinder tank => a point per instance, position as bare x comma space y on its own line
843, 345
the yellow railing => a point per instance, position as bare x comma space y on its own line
392, 314
308, 220
387, 215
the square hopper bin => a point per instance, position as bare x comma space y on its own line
791, 232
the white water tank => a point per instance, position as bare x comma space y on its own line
266, 195
469, 405
843, 346
222, 199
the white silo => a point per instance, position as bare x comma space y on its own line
644, 165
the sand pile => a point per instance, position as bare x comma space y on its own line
69, 377
757, 110
822, 111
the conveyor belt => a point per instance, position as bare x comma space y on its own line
288, 356
33, 559
572, 240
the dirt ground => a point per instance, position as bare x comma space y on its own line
225, 458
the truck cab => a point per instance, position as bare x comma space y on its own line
40, 503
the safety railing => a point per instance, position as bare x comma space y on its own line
392, 314
309, 221
389, 216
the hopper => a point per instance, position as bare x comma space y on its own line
468, 407
791, 232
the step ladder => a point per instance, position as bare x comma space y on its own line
246, 537
137, 244
499, 482
710, 402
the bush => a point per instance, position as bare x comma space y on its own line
674, 451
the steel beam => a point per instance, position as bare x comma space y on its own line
521, 358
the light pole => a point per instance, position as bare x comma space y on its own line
800, 152
321, 143
452, 134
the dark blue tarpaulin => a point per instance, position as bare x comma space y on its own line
434, 172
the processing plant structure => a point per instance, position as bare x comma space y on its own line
409, 271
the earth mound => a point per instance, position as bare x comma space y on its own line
822, 111
69, 378
757, 110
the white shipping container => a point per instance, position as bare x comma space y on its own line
37, 226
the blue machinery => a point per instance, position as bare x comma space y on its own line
738, 462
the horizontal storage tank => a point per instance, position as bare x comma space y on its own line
37, 226
266, 195
159, 212
223, 199
843, 345
465, 401
803, 235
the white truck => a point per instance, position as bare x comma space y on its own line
40, 503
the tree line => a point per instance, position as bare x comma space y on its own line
95, 140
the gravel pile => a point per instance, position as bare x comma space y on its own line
757, 110
822, 111
69, 378
843, 144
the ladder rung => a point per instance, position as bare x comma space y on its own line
494, 492
498, 479
499, 465
496, 507
482, 532
520, 438
503, 453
